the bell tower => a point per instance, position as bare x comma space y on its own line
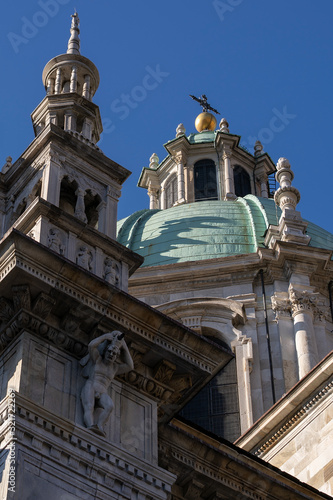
87, 372
63, 168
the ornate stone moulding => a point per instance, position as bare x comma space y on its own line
68, 306
295, 419
229, 472
291, 410
55, 229
73, 449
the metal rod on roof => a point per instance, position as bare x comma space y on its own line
270, 360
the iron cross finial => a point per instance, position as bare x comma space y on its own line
203, 102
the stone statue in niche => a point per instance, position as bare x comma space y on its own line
54, 240
111, 271
108, 356
84, 258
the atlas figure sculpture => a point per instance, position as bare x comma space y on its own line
108, 356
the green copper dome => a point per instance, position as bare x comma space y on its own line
205, 230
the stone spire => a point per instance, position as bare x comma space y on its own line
287, 196
291, 226
74, 41
70, 81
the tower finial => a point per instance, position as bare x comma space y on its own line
74, 41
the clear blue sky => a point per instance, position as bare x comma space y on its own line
255, 59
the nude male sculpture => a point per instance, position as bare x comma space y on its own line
102, 364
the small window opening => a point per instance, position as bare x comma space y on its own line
205, 182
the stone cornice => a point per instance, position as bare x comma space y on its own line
218, 467
208, 271
295, 419
293, 405
148, 176
61, 137
74, 449
67, 222
239, 268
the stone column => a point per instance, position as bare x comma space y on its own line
80, 209
228, 176
101, 216
70, 121
51, 180
86, 87
319, 323
87, 128
112, 198
57, 88
152, 193
303, 303
244, 357
189, 183
180, 179
50, 86
162, 198
263, 186
220, 177
73, 82
282, 308
51, 117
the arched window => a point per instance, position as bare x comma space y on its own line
91, 203
171, 191
242, 181
67, 195
205, 183
215, 408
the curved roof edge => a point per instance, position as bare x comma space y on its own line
206, 230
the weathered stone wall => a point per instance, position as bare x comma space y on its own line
306, 452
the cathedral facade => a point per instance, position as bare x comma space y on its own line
185, 354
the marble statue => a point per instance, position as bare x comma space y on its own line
84, 258
111, 271
55, 241
108, 356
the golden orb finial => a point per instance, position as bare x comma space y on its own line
205, 121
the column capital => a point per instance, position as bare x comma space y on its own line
302, 300
262, 178
227, 153
152, 193
179, 158
152, 190
281, 305
54, 157
319, 313
80, 191
113, 192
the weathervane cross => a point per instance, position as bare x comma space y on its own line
203, 102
